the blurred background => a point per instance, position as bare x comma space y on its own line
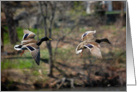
60, 68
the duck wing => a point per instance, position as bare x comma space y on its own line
24, 42
80, 48
88, 36
35, 52
95, 50
28, 35
36, 55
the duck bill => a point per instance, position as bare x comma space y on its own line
50, 39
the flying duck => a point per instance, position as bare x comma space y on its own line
93, 46
29, 43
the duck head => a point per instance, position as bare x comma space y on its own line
43, 39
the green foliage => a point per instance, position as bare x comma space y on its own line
113, 12
16, 64
78, 5
35, 73
21, 62
45, 72
82, 29
6, 36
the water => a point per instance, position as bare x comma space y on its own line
87, 89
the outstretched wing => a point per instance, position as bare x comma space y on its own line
88, 36
79, 48
95, 51
28, 35
35, 52
24, 42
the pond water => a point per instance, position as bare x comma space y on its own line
87, 89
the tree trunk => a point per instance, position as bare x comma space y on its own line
123, 22
2, 39
10, 23
50, 59
48, 30
53, 7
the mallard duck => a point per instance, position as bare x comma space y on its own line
93, 46
88, 36
29, 43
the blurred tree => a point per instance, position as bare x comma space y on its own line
48, 18
8, 10
123, 22
3, 24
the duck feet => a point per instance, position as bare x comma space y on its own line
22, 52
81, 55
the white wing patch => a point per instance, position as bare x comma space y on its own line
78, 51
16, 47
